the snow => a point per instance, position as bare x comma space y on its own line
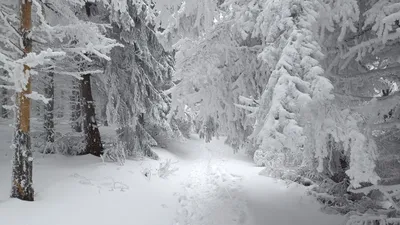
210, 186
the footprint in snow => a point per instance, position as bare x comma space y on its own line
212, 196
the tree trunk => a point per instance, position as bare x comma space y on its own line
104, 116
60, 107
91, 131
4, 101
23, 160
76, 120
49, 112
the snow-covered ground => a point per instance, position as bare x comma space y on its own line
211, 186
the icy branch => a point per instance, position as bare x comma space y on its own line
374, 73
387, 125
78, 75
38, 97
248, 108
394, 189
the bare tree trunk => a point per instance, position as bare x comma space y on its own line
23, 160
49, 112
76, 121
104, 116
60, 108
91, 131
4, 101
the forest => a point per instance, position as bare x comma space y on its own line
243, 101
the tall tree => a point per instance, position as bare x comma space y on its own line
75, 104
49, 106
49, 112
83, 49
4, 100
90, 128
22, 166
134, 81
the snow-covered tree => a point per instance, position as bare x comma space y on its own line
292, 54
135, 79
360, 46
20, 58
85, 62
296, 113
214, 69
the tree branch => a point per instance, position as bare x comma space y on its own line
48, 5
16, 46
368, 98
374, 73
4, 17
386, 125
358, 34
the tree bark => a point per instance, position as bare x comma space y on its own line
90, 128
76, 121
23, 161
4, 101
104, 116
49, 112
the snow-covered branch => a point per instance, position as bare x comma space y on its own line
378, 73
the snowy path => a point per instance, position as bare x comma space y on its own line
211, 196
211, 187
227, 190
